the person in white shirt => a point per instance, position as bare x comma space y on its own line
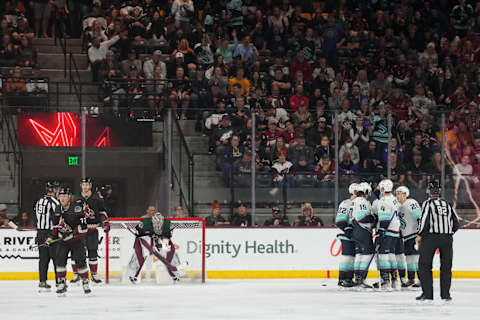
97, 53
150, 64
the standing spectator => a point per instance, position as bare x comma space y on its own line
216, 217
333, 39
241, 218
277, 219
307, 217
462, 15
232, 153
246, 51
183, 11
97, 53
226, 49
300, 64
42, 9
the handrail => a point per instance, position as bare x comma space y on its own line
12, 147
78, 91
61, 28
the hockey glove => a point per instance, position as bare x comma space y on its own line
106, 226
49, 241
348, 232
66, 235
379, 237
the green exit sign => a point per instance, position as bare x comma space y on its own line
73, 161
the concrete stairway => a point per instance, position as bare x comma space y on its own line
9, 182
52, 64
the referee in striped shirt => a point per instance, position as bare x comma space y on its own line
438, 224
45, 210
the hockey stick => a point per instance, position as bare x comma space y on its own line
377, 248
43, 244
152, 249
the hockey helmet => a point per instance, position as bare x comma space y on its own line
65, 191
353, 188
365, 187
434, 188
386, 185
403, 189
86, 180
51, 185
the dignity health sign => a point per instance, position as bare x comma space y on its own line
233, 252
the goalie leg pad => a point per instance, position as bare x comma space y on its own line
138, 258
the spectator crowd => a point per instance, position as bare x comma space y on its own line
298, 66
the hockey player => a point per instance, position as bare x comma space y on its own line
69, 232
97, 216
387, 234
362, 221
343, 221
154, 229
409, 214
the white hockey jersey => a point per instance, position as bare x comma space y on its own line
384, 208
281, 170
343, 219
362, 213
409, 214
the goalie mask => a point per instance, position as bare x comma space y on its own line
157, 222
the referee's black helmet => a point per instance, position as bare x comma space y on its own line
434, 188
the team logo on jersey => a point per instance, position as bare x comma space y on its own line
77, 209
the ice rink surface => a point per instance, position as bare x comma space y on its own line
233, 299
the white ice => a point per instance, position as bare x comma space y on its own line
233, 299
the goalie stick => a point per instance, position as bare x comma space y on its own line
152, 249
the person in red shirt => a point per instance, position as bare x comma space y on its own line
300, 64
297, 98
290, 134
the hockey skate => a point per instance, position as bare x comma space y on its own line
96, 280
385, 285
86, 286
61, 288
423, 300
133, 280
346, 283
176, 280
75, 280
44, 287
395, 284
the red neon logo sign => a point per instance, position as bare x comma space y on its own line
64, 131
62, 136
